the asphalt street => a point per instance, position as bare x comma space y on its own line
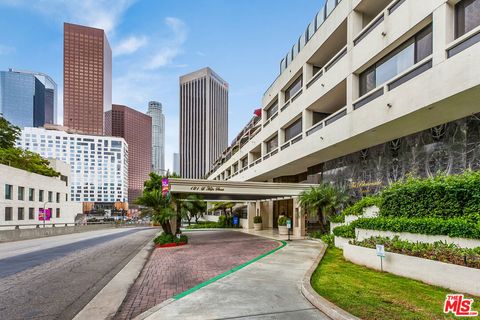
54, 278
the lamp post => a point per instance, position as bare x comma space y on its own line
44, 213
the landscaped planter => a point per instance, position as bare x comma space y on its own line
446, 275
350, 218
282, 230
169, 245
341, 241
257, 226
333, 225
363, 234
370, 212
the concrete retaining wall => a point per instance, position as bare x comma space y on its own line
450, 276
341, 241
211, 218
24, 234
333, 225
414, 237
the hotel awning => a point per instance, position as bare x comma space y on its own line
241, 191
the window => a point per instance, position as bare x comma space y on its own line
406, 55
467, 16
57, 212
21, 193
235, 168
21, 213
31, 213
58, 197
272, 144
244, 162
8, 213
294, 88
40, 195
31, 194
272, 109
293, 130
8, 192
50, 196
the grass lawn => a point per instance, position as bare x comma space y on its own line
370, 294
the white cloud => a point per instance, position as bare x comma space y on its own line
6, 49
130, 45
104, 14
172, 47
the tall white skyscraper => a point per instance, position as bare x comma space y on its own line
176, 163
203, 121
158, 136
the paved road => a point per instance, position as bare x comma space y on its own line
54, 278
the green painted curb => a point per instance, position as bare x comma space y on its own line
220, 276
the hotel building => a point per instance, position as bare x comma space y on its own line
373, 90
98, 164
203, 121
87, 74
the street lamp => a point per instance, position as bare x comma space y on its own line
44, 213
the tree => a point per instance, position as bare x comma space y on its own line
8, 134
160, 208
223, 206
324, 201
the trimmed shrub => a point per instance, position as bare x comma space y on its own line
337, 218
357, 208
225, 222
456, 227
282, 221
257, 219
164, 238
443, 197
345, 231
328, 239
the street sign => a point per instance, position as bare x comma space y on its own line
380, 250
44, 214
235, 221
165, 187
289, 224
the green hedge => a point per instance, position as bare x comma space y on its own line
168, 238
347, 231
443, 197
456, 227
357, 208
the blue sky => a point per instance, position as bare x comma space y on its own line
156, 41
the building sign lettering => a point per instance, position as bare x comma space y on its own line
206, 188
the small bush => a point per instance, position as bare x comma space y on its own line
282, 221
257, 219
357, 208
225, 222
347, 231
204, 225
337, 218
456, 227
164, 238
315, 235
439, 251
328, 239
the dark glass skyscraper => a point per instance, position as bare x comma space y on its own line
27, 99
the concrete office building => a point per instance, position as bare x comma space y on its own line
23, 194
158, 136
176, 162
203, 121
372, 91
99, 165
136, 128
28, 99
87, 73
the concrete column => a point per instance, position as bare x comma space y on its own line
307, 74
353, 90
307, 119
354, 26
251, 211
298, 219
281, 137
443, 31
266, 210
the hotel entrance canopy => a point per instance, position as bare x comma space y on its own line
240, 191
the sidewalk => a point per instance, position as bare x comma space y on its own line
267, 289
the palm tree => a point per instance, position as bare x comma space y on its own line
324, 201
160, 208
192, 207
223, 206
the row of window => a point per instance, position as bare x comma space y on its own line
31, 194
20, 213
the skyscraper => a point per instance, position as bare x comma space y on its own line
176, 163
158, 136
136, 128
87, 72
28, 99
203, 121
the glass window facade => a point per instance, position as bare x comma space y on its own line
293, 130
294, 88
406, 55
272, 144
8, 192
467, 16
272, 109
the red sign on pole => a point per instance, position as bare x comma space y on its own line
44, 214
165, 187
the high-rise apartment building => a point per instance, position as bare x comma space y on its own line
158, 136
28, 99
176, 163
203, 121
371, 92
87, 72
136, 128
98, 164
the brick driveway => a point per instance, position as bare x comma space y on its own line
170, 271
